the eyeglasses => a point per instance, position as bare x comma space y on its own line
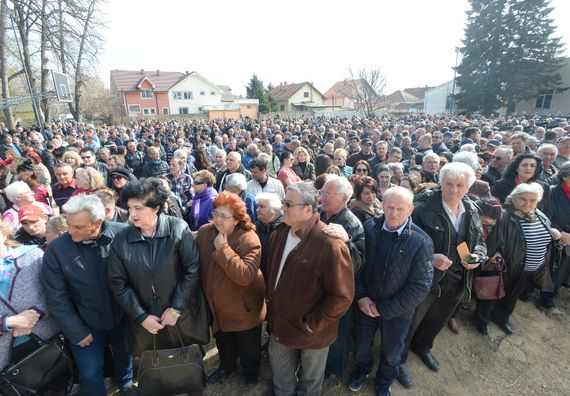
198, 182
116, 177
218, 215
288, 204
361, 170
326, 194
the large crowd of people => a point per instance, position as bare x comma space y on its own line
312, 233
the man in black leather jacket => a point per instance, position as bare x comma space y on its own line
74, 278
449, 217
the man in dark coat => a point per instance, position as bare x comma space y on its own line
396, 277
74, 278
344, 225
450, 218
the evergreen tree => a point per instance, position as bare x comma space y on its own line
509, 54
256, 90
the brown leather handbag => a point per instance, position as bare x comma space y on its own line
491, 287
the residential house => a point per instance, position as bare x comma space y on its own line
143, 92
297, 97
439, 100
401, 101
342, 93
239, 107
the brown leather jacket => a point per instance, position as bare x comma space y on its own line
231, 278
315, 289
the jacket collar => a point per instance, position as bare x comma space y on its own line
436, 203
306, 229
379, 220
162, 230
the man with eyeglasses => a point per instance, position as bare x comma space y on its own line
345, 226
309, 287
501, 158
90, 159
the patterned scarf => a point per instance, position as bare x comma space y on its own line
530, 216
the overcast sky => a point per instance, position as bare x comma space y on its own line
412, 41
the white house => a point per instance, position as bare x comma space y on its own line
192, 92
438, 99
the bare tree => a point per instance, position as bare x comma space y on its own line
8, 113
366, 89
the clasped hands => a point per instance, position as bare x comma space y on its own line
153, 324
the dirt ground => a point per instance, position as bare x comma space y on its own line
534, 361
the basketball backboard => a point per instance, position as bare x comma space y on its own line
62, 87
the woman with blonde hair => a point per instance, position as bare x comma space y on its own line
55, 227
339, 158
72, 158
88, 180
303, 166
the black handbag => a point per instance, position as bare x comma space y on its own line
171, 371
33, 374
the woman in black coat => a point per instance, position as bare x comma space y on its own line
269, 216
525, 168
154, 273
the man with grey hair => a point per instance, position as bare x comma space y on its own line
547, 152
501, 158
430, 167
74, 278
233, 165
450, 218
345, 226
389, 288
309, 287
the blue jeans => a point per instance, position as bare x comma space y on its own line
393, 334
90, 360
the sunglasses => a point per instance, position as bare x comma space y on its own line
361, 170
198, 182
117, 177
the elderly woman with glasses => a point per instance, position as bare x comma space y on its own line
237, 184
230, 253
528, 245
204, 193
269, 216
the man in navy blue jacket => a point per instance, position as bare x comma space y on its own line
396, 277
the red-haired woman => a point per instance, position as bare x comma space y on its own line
365, 204
230, 253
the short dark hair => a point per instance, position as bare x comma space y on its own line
86, 150
150, 190
360, 183
258, 163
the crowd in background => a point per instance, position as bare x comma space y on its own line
231, 204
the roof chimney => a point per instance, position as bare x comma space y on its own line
186, 72
284, 82
142, 71
157, 72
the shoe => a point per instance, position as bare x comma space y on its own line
330, 376
525, 296
381, 391
483, 328
506, 328
251, 379
453, 325
430, 361
405, 378
218, 375
547, 304
565, 284
357, 379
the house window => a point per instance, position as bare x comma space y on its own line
147, 94
281, 107
188, 95
183, 110
212, 93
149, 111
165, 111
306, 94
135, 108
544, 99
177, 95
203, 93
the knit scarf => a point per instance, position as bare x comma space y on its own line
530, 216
198, 198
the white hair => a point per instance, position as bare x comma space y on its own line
16, 188
431, 155
180, 153
91, 203
547, 146
399, 192
395, 165
470, 148
271, 199
533, 188
468, 158
457, 169
342, 185
237, 181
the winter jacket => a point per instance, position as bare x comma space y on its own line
407, 276
308, 173
505, 186
74, 278
168, 264
201, 210
155, 169
264, 231
560, 205
231, 278
315, 289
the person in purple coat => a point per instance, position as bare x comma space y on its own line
204, 194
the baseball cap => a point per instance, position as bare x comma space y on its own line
30, 212
367, 141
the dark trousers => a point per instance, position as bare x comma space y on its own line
501, 310
245, 345
431, 316
393, 334
337, 360
90, 362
